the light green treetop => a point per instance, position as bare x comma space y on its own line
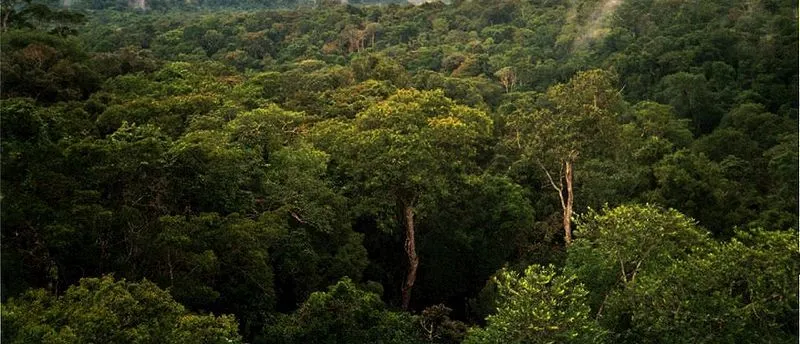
540, 306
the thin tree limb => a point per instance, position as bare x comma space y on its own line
560, 189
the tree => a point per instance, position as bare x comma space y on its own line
265, 130
354, 38
695, 185
210, 174
580, 118
217, 263
743, 290
102, 310
540, 306
379, 67
402, 152
477, 229
652, 119
212, 41
318, 246
783, 165
654, 276
617, 245
371, 30
45, 67
25, 14
439, 328
35, 187
691, 98
345, 314
507, 77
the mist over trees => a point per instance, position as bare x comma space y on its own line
512, 171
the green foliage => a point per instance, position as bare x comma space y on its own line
660, 121
407, 148
45, 67
783, 162
380, 68
233, 251
438, 327
212, 172
741, 290
691, 182
344, 314
614, 247
575, 119
319, 247
246, 158
265, 130
689, 95
103, 310
27, 14
540, 306
653, 276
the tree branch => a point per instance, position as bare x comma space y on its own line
635, 270
297, 217
558, 188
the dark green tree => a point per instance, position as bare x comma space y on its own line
102, 310
345, 314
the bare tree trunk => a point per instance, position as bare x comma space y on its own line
565, 174
568, 203
6, 15
411, 252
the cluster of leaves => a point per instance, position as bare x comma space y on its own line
539, 307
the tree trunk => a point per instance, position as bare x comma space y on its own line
411, 253
6, 15
568, 203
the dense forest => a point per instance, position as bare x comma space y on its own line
484, 171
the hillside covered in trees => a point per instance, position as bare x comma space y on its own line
504, 171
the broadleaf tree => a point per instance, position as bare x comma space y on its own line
404, 151
577, 118
539, 306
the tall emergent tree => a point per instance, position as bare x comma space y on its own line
577, 118
402, 153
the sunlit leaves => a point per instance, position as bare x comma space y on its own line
741, 290
105, 310
539, 306
408, 146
